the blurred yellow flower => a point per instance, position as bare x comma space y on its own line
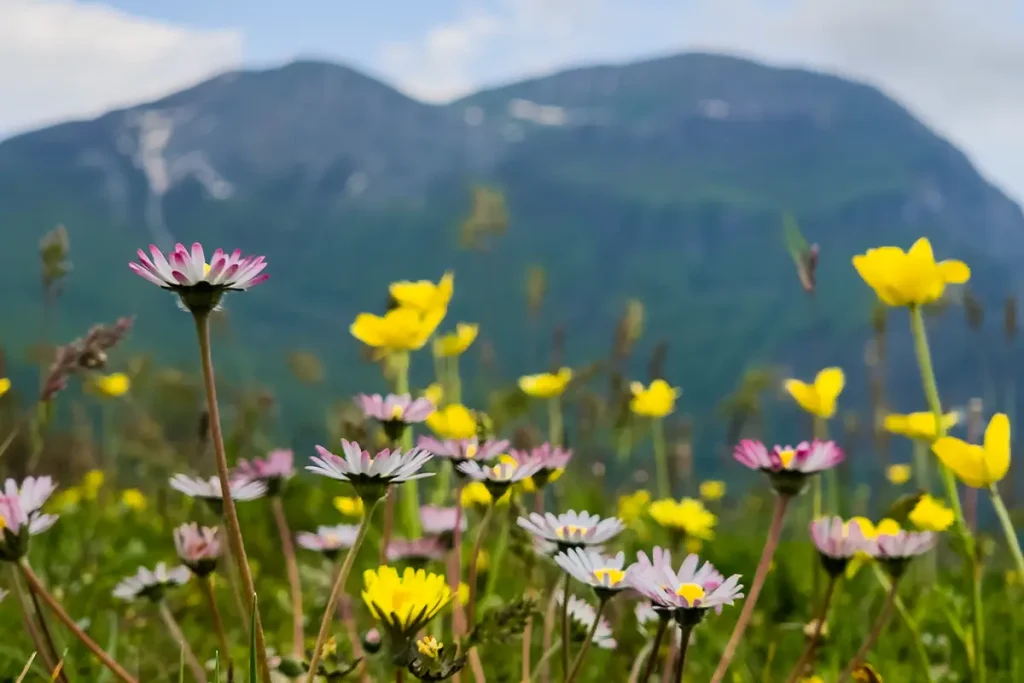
870, 530
657, 400
456, 343
865, 673
632, 506
820, 397
931, 514
687, 515
92, 483
920, 426
462, 594
898, 474
693, 545
350, 506
475, 494
5, 385
424, 295
400, 329
483, 561
910, 278
546, 384
112, 386
67, 499
1014, 577
712, 489
529, 486
454, 421
434, 393
133, 499
978, 466
812, 679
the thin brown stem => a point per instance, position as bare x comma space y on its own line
49, 661
339, 584
47, 637
684, 645
653, 657
175, 630
876, 631
774, 533
810, 648
292, 566
549, 635
230, 514
353, 636
473, 559
565, 628
578, 662
455, 568
218, 625
36, 586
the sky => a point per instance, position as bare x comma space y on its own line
956, 64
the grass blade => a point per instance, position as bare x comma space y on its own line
253, 673
28, 665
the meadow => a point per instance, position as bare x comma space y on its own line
155, 531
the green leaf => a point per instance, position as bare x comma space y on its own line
795, 241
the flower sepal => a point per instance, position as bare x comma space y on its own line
14, 545
788, 483
433, 661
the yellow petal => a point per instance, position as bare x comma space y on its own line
803, 393
997, 447
896, 424
955, 272
828, 385
921, 251
369, 329
5, 385
967, 461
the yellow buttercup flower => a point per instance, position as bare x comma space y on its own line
529, 486
546, 385
400, 329
483, 561
456, 343
462, 594
454, 421
350, 506
820, 397
910, 278
67, 499
92, 483
424, 295
112, 386
865, 673
475, 494
898, 474
632, 506
920, 426
657, 400
712, 490
930, 514
5, 385
406, 602
812, 679
434, 393
693, 545
133, 499
978, 466
687, 515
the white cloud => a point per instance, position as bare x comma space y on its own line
956, 65
61, 59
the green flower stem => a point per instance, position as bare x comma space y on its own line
234, 530
555, 426
542, 662
336, 591
652, 658
1011, 535
36, 586
661, 457
578, 662
921, 469
186, 650
832, 475
473, 559
876, 631
410, 491
684, 645
565, 628
454, 379
498, 557
292, 567
915, 632
760, 574
931, 390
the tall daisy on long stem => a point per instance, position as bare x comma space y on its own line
200, 288
788, 469
371, 477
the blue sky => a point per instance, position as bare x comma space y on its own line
957, 65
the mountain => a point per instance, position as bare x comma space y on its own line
664, 180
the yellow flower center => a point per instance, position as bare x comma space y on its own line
396, 412
471, 450
332, 539
330, 647
3, 523
610, 576
569, 530
787, 456
690, 592
429, 647
206, 269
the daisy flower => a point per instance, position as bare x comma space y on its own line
395, 412
498, 478
329, 540
151, 584
198, 547
440, 521
606, 575
463, 450
551, 459
208, 490
788, 467
16, 527
32, 494
199, 285
572, 529
416, 551
370, 475
274, 470
689, 592
896, 549
581, 619
404, 603
837, 542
